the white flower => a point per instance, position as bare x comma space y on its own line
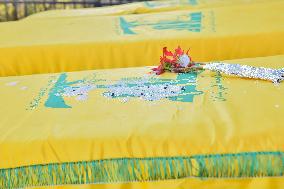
184, 60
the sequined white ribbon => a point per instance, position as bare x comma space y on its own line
274, 75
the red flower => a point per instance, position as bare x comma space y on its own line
168, 57
166, 52
179, 51
159, 70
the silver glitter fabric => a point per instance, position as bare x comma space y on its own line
146, 92
274, 75
80, 92
152, 88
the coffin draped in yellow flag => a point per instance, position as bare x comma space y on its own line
56, 129
72, 44
143, 7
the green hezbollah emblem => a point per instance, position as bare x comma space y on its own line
190, 22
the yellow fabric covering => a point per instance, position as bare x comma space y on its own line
41, 122
72, 44
143, 7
